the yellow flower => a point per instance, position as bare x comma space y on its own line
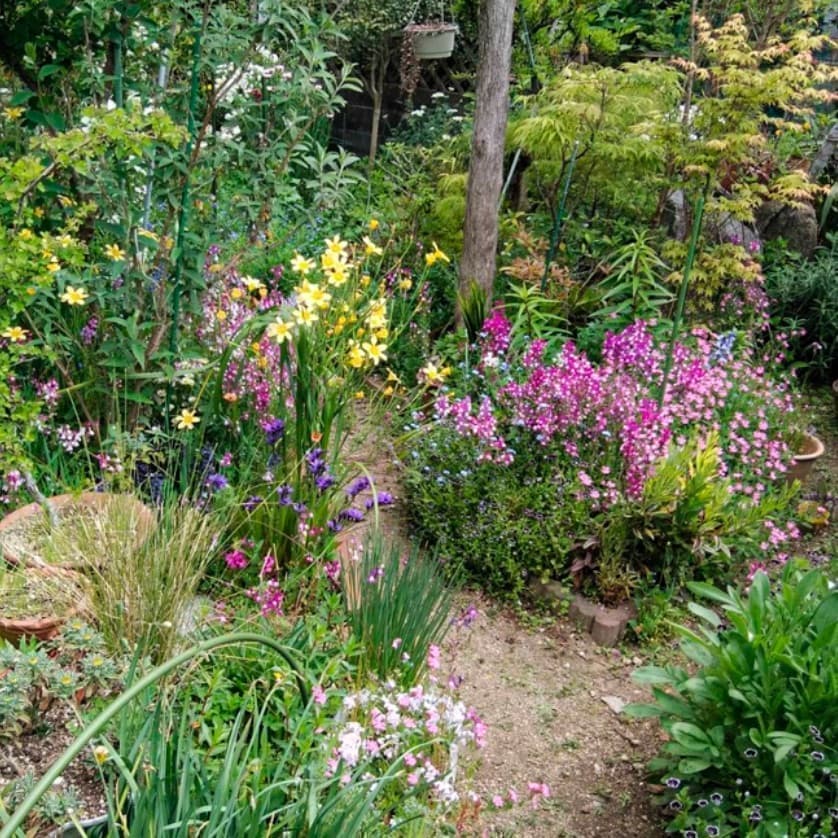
436, 255
360, 395
39, 212
114, 252
13, 113
305, 316
101, 754
236, 294
376, 351
26, 233
31, 290
252, 284
301, 265
53, 266
221, 315
366, 279
336, 246
312, 295
336, 275
356, 357
74, 296
371, 248
391, 376
280, 331
65, 241
66, 201
382, 334
405, 285
377, 315
15, 334
388, 390
373, 225
186, 420
431, 374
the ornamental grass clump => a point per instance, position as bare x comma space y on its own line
398, 606
752, 726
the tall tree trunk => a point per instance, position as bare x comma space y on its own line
485, 177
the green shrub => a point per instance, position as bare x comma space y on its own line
804, 295
751, 747
499, 524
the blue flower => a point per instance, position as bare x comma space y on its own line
274, 429
284, 493
217, 482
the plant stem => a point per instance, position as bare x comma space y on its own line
682, 294
20, 814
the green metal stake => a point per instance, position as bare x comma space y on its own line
183, 218
682, 294
559, 220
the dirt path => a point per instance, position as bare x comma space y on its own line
541, 694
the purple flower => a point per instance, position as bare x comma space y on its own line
384, 499
299, 507
236, 560
324, 481
89, 330
284, 493
333, 525
217, 482
357, 486
315, 462
351, 514
274, 429
673, 783
251, 503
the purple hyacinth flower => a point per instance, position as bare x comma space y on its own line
352, 514
274, 429
357, 486
284, 494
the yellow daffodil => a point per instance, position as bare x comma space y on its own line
252, 284
371, 248
336, 246
436, 255
376, 351
186, 420
114, 252
337, 274
356, 358
373, 225
431, 374
13, 113
305, 316
15, 334
301, 265
280, 331
74, 296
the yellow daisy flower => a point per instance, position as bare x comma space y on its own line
301, 265
376, 351
371, 248
356, 357
186, 420
13, 113
336, 246
305, 316
15, 334
74, 296
114, 252
373, 225
252, 284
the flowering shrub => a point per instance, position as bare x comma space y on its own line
752, 732
598, 432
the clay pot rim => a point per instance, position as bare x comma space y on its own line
815, 446
90, 499
430, 28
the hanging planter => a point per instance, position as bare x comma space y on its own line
432, 40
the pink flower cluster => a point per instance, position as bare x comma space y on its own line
607, 416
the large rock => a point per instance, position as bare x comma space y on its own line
798, 225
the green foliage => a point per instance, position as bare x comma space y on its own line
688, 522
398, 607
74, 667
752, 726
498, 524
610, 113
804, 295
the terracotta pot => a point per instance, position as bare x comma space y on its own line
89, 500
804, 460
42, 628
